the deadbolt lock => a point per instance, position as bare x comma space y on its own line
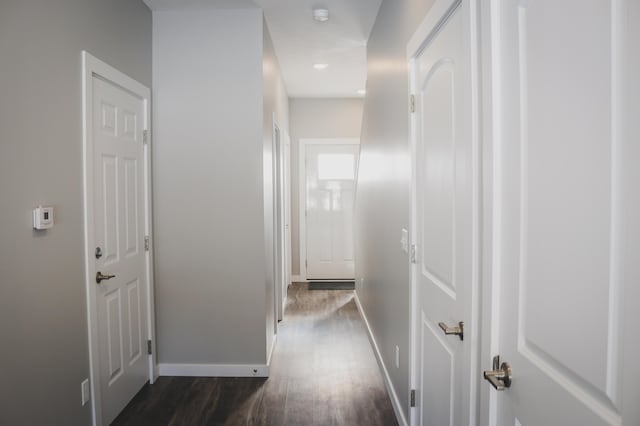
500, 376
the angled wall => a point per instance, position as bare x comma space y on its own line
384, 185
275, 108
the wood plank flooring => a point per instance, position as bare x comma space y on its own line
323, 372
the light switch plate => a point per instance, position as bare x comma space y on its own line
85, 391
404, 240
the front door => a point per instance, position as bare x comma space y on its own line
330, 190
566, 213
119, 225
445, 222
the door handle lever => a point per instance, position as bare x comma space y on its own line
457, 331
100, 277
500, 376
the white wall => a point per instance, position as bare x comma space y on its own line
208, 187
384, 183
43, 326
317, 118
275, 102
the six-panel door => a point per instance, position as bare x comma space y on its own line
119, 233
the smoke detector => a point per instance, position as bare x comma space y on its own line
321, 15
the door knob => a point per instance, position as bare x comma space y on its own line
100, 276
500, 376
457, 331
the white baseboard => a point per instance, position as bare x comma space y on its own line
395, 401
219, 370
297, 279
214, 370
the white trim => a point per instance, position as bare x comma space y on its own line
287, 213
92, 66
277, 220
219, 370
302, 193
395, 401
438, 14
414, 369
297, 279
271, 351
214, 370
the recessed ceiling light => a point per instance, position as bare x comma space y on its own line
320, 66
361, 91
321, 15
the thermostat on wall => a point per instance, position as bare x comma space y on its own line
43, 217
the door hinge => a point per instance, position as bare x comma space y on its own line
146, 243
412, 103
145, 136
414, 253
149, 347
412, 402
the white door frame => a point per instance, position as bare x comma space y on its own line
287, 209
91, 67
438, 13
302, 191
278, 220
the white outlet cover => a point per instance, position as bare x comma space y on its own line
404, 240
86, 393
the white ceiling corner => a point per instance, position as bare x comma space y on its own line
341, 42
300, 41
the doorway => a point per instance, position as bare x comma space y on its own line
118, 256
327, 191
445, 211
279, 223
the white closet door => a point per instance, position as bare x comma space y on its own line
566, 239
120, 248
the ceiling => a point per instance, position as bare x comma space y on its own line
300, 41
341, 42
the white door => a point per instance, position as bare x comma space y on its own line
330, 187
445, 205
566, 212
119, 195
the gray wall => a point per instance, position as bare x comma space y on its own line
43, 327
275, 102
316, 118
208, 187
384, 184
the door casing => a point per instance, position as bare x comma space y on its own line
279, 271
91, 66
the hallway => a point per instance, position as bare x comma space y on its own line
323, 372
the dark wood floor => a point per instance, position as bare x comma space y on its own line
323, 372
